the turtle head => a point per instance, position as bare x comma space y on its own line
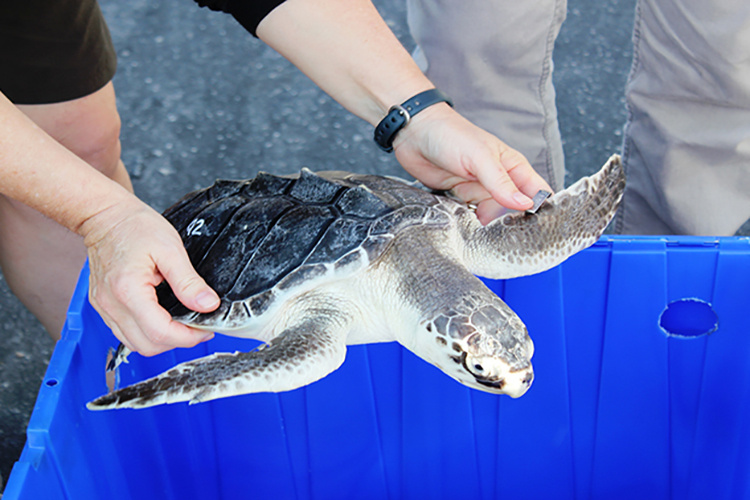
488, 349
495, 369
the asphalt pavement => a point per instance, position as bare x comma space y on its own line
202, 99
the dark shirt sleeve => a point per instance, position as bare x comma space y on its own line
249, 13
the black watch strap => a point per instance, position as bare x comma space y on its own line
399, 116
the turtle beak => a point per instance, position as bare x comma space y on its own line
517, 383
513, 383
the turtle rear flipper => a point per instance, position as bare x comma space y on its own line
117, 357
301, 354
521, 243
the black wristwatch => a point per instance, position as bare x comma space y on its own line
398, 116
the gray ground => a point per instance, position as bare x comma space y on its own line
201, 99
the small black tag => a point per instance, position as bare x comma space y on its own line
538, 200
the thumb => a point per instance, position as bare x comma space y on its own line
188, 286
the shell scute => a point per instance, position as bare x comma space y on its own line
311, 188
182, 212
261, 302
224, 189
352, 258
376, 245
275, 257
399, 219
302, 274
362, 202
407, 195
342, 236
266, 185
199, 233
239, 313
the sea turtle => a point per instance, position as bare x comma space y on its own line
313, 262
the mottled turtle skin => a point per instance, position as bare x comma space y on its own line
311, 263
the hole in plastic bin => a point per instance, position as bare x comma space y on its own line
688, 318
51, 382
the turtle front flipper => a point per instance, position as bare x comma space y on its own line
520, 243
301, 354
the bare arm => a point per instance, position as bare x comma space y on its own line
42, 174
346, 48
130, 246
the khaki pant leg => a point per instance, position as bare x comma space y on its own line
494, 58
687, 141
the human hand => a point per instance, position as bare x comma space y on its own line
131, 249
447, 152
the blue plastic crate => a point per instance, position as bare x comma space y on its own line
619, 407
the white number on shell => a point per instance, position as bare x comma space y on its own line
194, 228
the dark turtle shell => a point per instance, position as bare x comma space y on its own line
252, 240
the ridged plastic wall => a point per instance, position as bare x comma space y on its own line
642, 391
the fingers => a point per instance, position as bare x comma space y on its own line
150, 332
128, 305
501, 187
446, 151
131, 254
187, 285
489, 210
152, 329
509, 178
522, 173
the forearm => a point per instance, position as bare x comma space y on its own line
39, 172
346, 48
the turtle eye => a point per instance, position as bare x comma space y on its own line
472, 366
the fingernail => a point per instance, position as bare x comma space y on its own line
522, 199
208, 336
207, 300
